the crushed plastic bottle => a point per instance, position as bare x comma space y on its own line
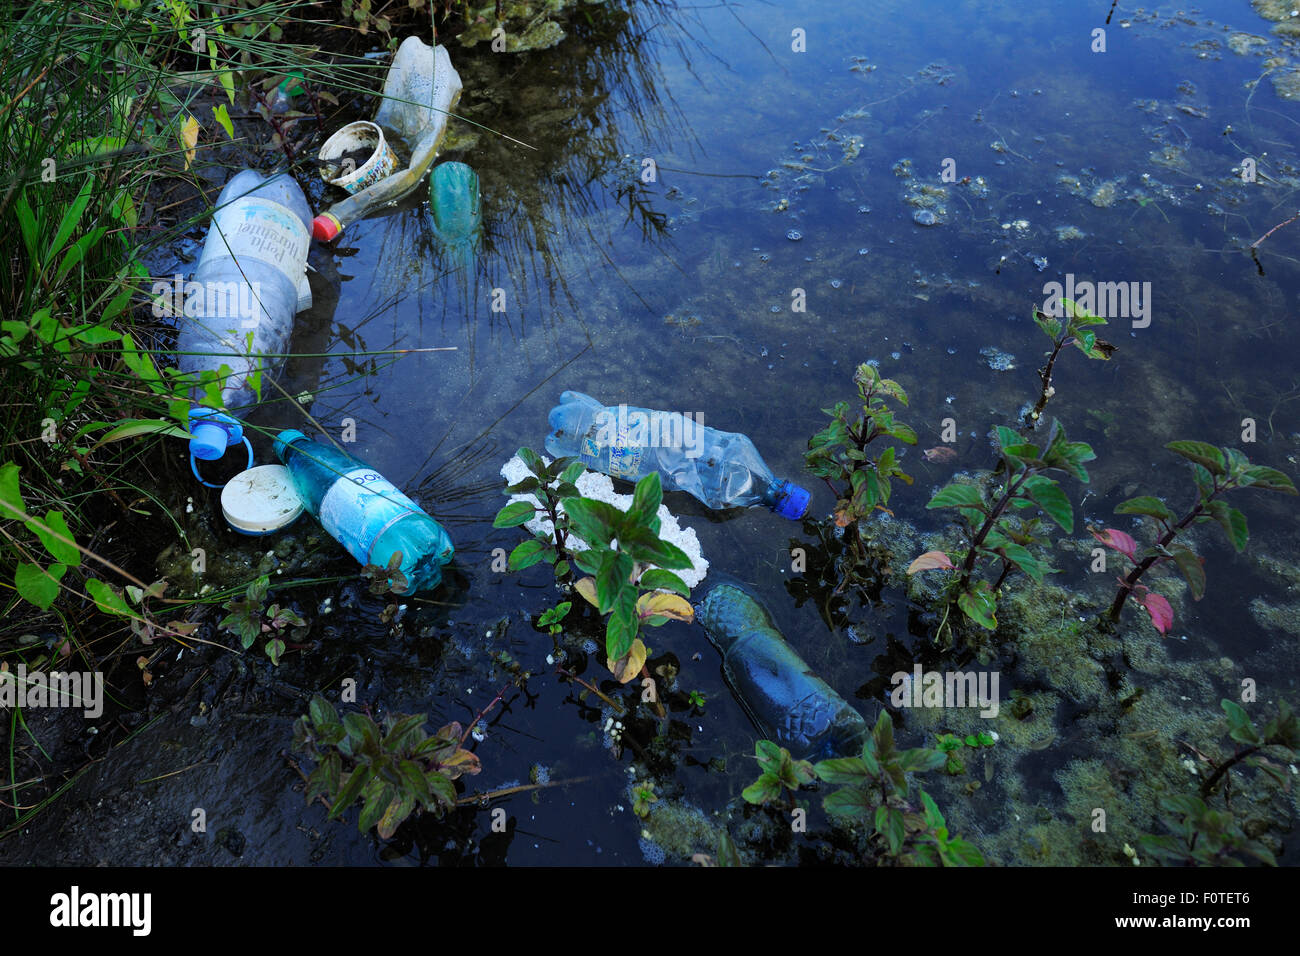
420, 92
251, 278
721, 469
364, 512
784, 699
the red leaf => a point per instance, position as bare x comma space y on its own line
1121, 542
1162, 615
929, 561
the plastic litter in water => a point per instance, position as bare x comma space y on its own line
794, 235
1040, 263
836, 283
924, 217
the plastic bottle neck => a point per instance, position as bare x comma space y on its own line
786, 499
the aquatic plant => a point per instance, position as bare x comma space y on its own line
780, 774
1073, 331
551, 618
248, 619
993, 532
875, 791
393, 770
951, 745
1209, 837
838, 453
549, 485
630, 572
1214, 472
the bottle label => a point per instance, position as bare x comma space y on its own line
624, 455
360, 505
262, 229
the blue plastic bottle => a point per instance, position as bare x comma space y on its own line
782, 697
363, 511
721, 469
251, 278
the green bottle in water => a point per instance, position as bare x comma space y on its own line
364, 512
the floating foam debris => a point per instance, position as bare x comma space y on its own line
600, 487
998, 360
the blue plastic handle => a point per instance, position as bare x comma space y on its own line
194, 467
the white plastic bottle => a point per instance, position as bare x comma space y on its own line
239, 305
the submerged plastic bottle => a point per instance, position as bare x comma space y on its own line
251, 277
363, 511
784, 699
721, 469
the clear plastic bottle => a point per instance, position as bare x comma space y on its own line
364, 512
251, 277
784, 699
721, 469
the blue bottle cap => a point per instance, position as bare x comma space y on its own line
285, 439
212, 432
791, 501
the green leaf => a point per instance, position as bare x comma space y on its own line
889, 824
595, 522
1269, 479
767, 787
623, 624
56, 537
37, 585
356, 782
71, 217
524, 486
612, 580
980, 606
1192, 569
1240, 727
659, 579
526, 554
1145, 505
1047, 494
850, 802
361, 728
11, 497
223, 115
106, 599
78, 252
322, 712
532, 460
959, 496
843, 770
1080, 316
646, 497
133, 427
1203, 454
921, 759
1021, 558
1232, 521
1051, 327
932, 815
514, 514
644, 545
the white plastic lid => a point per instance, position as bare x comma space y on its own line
261, 500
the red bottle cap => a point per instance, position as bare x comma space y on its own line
325, 227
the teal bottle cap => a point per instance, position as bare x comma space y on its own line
285, 439
261, 500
